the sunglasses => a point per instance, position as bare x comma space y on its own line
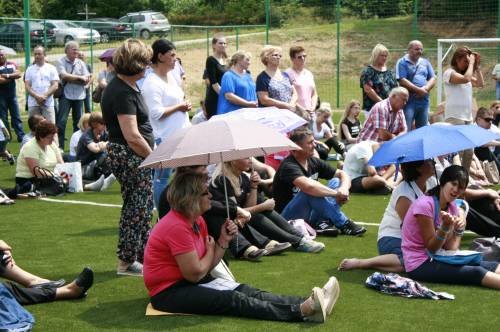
301, 56
488, 119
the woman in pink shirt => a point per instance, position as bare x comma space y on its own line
302, 80
426, 231
180, 254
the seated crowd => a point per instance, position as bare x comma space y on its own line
246, 205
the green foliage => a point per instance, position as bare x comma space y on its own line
450, 9
378, 8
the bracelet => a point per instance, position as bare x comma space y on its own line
224, 248
440, 238
458, 232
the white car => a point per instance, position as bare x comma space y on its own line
66, 31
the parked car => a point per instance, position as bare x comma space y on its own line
12, 35
108, 28
147, 23
66, 31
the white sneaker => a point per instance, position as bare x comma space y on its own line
134, 269
108, 182
318, 307
95, 186
331, 292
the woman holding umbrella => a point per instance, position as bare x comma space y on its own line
215, 68
180, 253
130, 141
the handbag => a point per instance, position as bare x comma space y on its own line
59, 91
97, 94
73, 172
491, 171
489, 247
49, 183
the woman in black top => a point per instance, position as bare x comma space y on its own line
130, 142
215, 67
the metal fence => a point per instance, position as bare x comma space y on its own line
339, 39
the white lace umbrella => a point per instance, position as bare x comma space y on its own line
218, 141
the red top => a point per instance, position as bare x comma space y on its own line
172, 236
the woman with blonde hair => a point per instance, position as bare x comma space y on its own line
237, 87
349, 124
215, 67
376, 79
321, 130
242, 189
274, 87
130, 142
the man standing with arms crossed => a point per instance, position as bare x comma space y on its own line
416, 74
41, 80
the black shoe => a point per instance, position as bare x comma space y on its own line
326, 229
85, 280
351, 228
50, 284
382, 191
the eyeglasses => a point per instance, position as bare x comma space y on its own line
276, 55
301, 56
488, 119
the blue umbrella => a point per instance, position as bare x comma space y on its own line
429, 142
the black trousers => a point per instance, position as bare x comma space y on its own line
275, 227
244, 301
25, 295
245, 238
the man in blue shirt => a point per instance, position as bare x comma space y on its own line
416, 74
9, 73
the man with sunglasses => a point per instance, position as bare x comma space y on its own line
491, 150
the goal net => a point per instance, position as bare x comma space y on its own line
489, 48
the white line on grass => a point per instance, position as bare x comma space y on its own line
78, 202
116, 205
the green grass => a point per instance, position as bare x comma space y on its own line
57, 240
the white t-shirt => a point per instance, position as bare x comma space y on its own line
73, 142
2, 127
199, 117
391, 223
41, 79
458, 103
496, 71
158, 95
319, 134
354, 163
496, 130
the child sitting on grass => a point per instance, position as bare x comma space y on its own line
4, 139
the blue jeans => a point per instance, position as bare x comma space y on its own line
160, 180
316, 209
8, 104
62, 116
498, 90
418, 111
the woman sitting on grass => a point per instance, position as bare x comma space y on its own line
41, 151
321, 130
390, 259
426, 230
349, 125
179, 255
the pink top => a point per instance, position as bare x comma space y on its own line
304, 85
172, 236
412, 244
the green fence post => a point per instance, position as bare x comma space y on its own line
91, 65
237, 38
337, 14
45, 35
208, 43
415, 19
268, 19
172, 33
498, 30
133, 31
27, 40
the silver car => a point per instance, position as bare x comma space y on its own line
147, 23
66, 31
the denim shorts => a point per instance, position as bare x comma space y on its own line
390, 245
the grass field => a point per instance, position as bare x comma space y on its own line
57, 239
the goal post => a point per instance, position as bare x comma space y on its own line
445, 46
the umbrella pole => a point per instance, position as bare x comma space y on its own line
225, 192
